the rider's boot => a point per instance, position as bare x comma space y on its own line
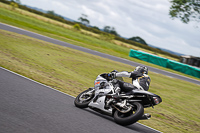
117, 90
108, 103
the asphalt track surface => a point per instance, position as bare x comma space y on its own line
125, 61
27, 106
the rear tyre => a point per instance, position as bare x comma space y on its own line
131, 117
84, 98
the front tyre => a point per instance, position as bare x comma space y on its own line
131, 117
84, 98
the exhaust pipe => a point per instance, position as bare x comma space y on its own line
145, 117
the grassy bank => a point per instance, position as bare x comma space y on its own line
72, 71
64, 32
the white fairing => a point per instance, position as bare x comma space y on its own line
100, 94
105, 90
100, 78
100, 103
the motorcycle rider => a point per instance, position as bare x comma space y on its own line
140, 80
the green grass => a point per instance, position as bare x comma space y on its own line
59, 31
68, 62
72, 71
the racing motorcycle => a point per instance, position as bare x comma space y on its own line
125, 108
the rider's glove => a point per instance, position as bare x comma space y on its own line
112, 75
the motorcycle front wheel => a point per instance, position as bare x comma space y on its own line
84, 98
131, 117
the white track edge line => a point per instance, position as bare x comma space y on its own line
35, 81
57, 90
149, 127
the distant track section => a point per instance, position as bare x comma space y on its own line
114, 58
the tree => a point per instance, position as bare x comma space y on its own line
77, 27
95, 27
106, 29
16, 1
185, 10
83, 19
14, 5
110, 30
138, 39
114, 32
51, 13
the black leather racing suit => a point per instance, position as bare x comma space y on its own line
139, 81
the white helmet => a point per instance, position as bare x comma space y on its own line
142, 69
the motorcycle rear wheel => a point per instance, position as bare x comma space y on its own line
82, 100
131, 117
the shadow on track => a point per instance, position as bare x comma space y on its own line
134, 127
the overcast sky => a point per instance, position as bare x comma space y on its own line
147, 19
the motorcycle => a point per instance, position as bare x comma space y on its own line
125, 108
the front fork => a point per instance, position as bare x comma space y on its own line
91, 91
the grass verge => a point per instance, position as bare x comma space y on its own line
64, 32
72, 71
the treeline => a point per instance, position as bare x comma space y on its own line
156, 50
91, 29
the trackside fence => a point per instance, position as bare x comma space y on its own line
164, 62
